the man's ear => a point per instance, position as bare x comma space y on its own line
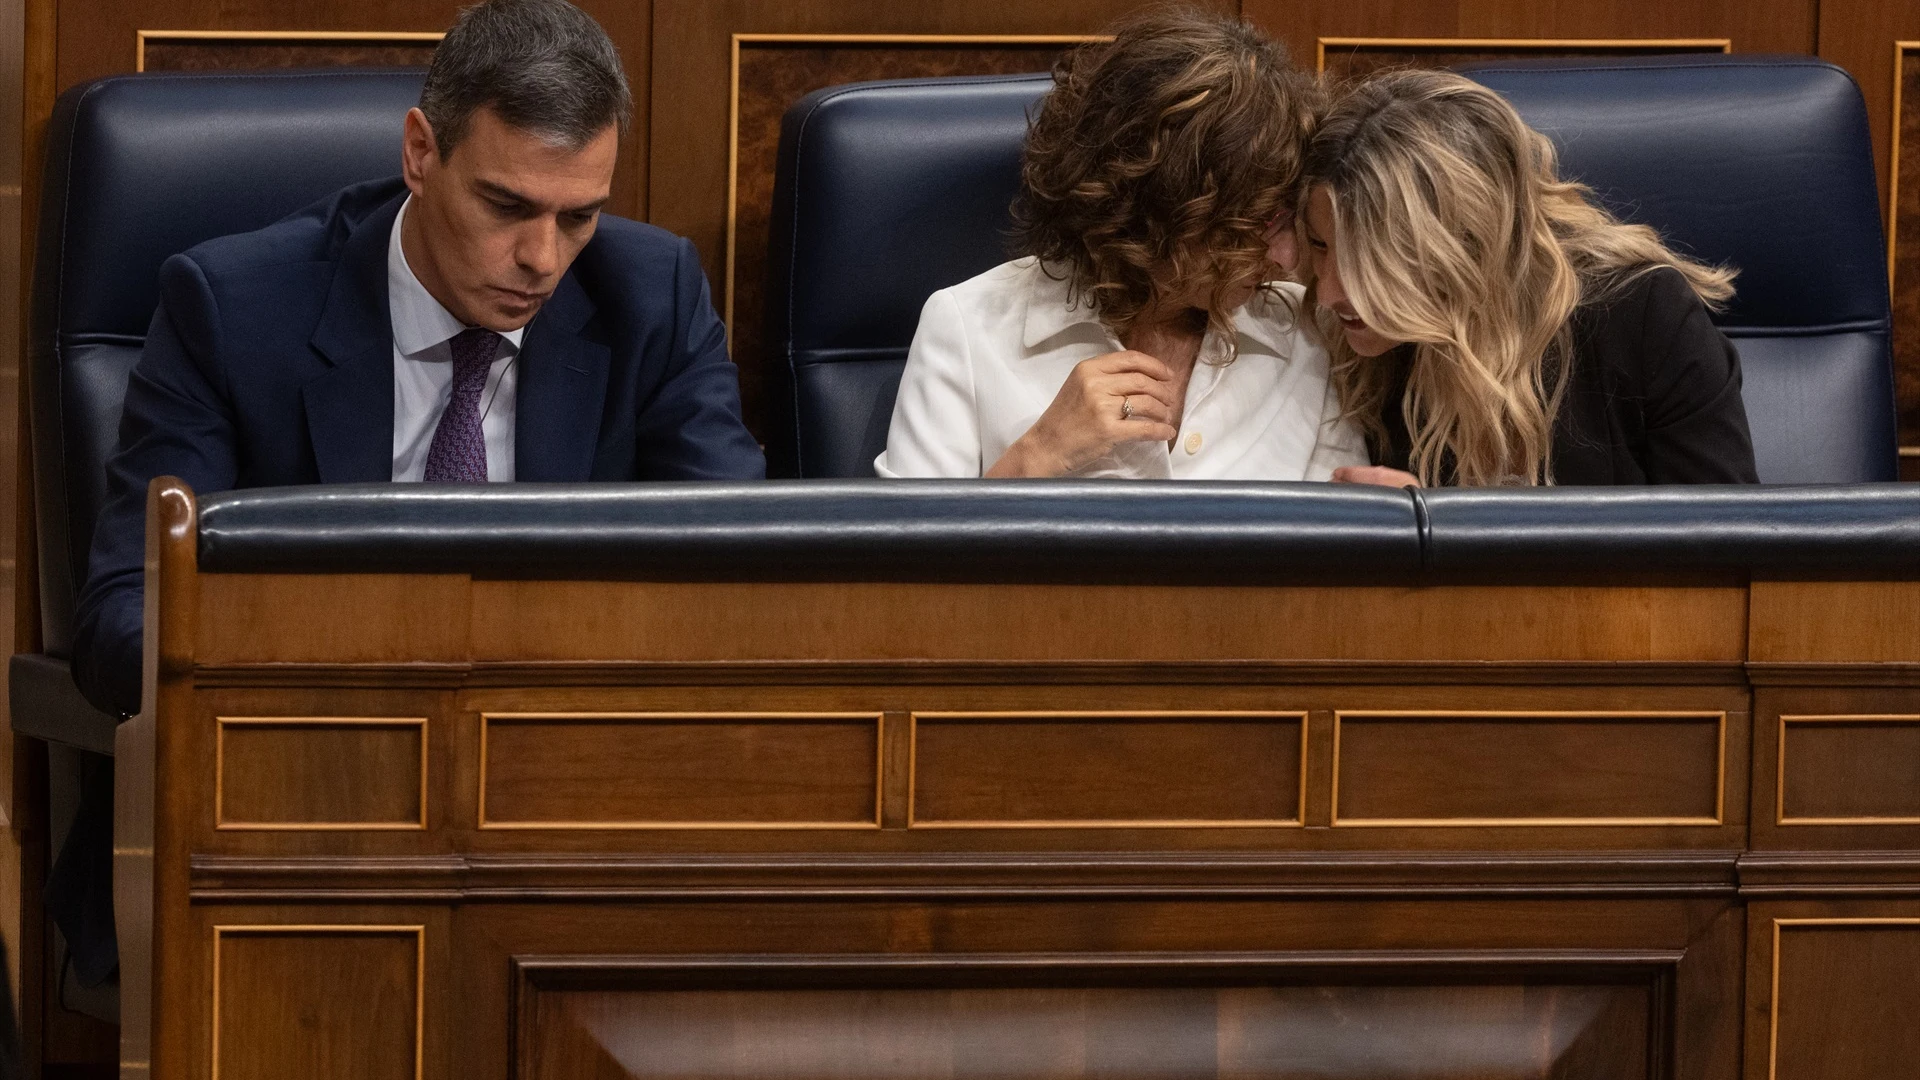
419, 154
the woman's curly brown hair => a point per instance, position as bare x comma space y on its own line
1159, 160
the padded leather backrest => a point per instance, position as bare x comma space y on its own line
140, 168
1764, 164
884, 193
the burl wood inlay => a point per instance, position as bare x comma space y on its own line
196, 54
774, 75
1344, 59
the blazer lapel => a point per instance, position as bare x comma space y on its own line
350, 407
561, 392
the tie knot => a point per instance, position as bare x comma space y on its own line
473, 347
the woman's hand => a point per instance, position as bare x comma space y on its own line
1108, 400
1374, 474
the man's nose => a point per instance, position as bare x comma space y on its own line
538, 252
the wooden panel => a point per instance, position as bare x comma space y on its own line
1835, 622
1458, 769
333, 618
624, 621
192, 50
679, 770
1844, 997
1849, 770
1552, 1025
107, 41
320, 773
1345, 58
1121, 768
1903, 235
772, 72
319, 1002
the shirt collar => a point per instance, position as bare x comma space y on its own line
1052, 309
419, 321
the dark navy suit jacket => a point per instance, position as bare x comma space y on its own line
270, 362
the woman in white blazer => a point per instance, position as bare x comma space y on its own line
1143, 334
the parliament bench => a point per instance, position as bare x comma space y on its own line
1023, 779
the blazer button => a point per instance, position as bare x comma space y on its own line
1193, 442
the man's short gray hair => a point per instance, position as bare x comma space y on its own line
543, 65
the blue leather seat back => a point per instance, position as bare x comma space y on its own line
1764, 164
138, 169
884, 193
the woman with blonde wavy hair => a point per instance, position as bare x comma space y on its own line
1488, 323
1142, 334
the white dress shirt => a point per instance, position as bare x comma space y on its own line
992, 352
423, 372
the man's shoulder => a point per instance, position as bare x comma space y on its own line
313, 234
627, 256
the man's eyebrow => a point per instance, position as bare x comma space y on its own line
507, 194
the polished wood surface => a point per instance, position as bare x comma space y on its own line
1300, 841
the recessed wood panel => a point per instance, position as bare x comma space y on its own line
1011, 770
1345, 58
318, 1002
1439, 769
1849, 770
1551, 1028
320, 773
1845, 997
679, 770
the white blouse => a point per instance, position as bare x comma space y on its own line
991, 353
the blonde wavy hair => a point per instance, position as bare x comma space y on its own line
1456, 234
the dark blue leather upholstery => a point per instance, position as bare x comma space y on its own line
139, 168
1000, 531
884, 193
910, 530
888, 191
1763, 163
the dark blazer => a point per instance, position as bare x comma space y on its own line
1653, 397
270, 362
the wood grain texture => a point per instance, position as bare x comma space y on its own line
1517, 769
1050, 769
1850, 769
1835, 622
554, 621
215, 54
1903, 239
665, 770
318, 1002
1842, 997
1347, 58
320, 773
354, 618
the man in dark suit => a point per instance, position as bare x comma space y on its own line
474, 319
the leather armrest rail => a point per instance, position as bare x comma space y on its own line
988, 531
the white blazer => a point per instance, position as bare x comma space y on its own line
991, 353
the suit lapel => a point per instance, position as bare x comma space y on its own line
350, 407
561, 391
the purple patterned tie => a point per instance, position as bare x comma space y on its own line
459, 448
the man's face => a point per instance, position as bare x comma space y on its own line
495, 223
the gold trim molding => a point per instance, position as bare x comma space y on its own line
913, 768
222, 723
1780, 767
141, 37
877, 719
733, 106
419, 931
1620, 45
1719, 817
